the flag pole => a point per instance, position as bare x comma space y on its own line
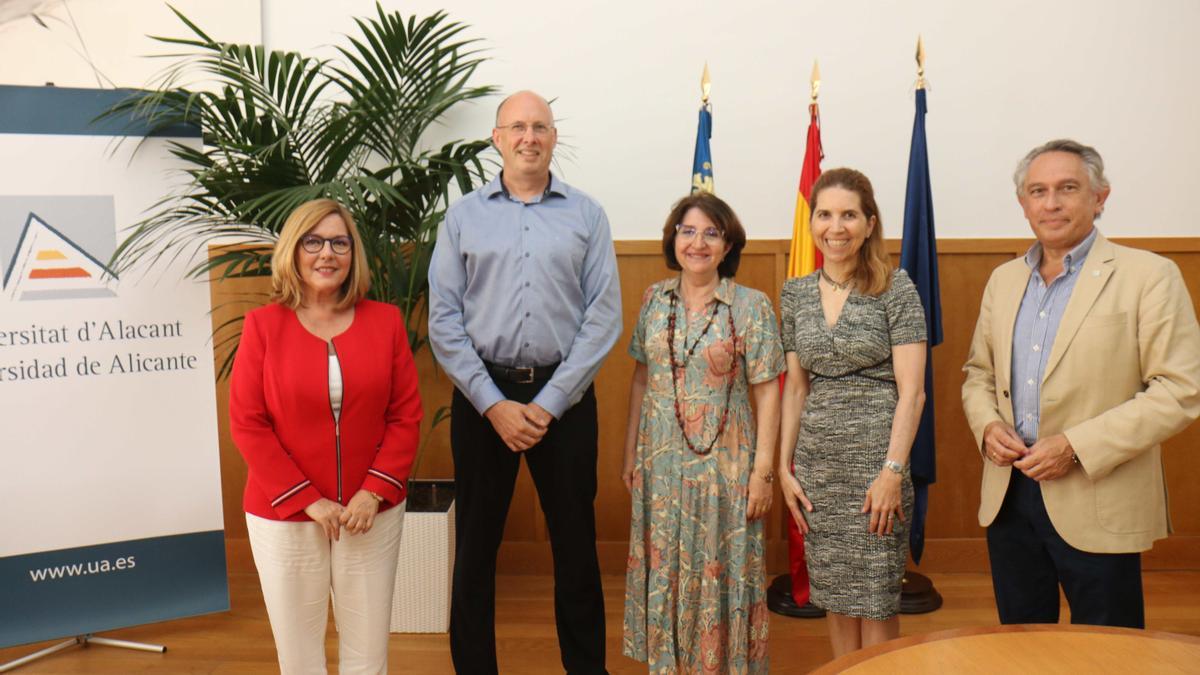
920, 63
917, 594
815, 81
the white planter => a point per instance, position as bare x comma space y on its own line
421, 602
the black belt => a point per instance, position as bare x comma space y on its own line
520, 375
857, 372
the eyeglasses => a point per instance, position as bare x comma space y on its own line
519, 128
314, 244
712, 235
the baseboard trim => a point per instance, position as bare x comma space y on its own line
1178, 552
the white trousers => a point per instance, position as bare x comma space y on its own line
298, 566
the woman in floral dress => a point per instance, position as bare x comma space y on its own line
699, 475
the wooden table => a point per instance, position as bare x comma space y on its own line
1031, 648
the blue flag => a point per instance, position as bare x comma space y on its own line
918, 257
702, 173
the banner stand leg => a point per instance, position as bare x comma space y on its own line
83, 640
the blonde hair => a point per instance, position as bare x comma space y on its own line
287, 288
873, 269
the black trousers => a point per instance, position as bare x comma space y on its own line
1029, 561
563, 467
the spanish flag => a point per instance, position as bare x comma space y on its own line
804, 257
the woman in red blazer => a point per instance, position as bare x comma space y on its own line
324, 406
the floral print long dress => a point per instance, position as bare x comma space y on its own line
695, 596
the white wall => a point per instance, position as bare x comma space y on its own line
1004, 76
114, 34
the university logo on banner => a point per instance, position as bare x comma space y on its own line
48, 265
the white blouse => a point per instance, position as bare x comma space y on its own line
335, 384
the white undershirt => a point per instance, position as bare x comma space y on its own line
335, 384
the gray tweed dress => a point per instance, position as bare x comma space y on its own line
843, 438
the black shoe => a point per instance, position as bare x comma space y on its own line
780, 600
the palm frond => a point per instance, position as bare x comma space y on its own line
280, 128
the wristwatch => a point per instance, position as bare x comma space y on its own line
894, 466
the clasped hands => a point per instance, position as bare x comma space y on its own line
520, 426
357, 516
1047, 459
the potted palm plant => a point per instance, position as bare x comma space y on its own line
279, 129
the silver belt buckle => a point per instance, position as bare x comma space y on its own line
526, 375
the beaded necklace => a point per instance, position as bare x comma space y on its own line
679, 371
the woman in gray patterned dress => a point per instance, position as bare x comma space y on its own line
854, 335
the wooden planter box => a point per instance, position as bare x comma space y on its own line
421, 601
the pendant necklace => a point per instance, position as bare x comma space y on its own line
841, 286
679, 371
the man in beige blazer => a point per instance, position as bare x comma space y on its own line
1085, 358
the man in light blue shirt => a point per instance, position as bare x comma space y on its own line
1037, 324
524, 304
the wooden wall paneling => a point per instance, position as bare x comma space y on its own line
959, 467
760, 270
638, 271
1180, 454
954, 539
434, 459
231, 299
1181, 461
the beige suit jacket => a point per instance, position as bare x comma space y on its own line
1123, 375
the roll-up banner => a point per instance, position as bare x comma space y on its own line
110, 491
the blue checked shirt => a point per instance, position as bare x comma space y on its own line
524, 284
1041, 311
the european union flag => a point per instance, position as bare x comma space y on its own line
702, 173
918, 257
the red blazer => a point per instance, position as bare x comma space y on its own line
282, 422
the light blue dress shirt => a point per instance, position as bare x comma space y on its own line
1041, 311
524, 284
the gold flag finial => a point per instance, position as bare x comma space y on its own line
705, 84
920, 63
815, 81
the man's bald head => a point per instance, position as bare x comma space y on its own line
523, 96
